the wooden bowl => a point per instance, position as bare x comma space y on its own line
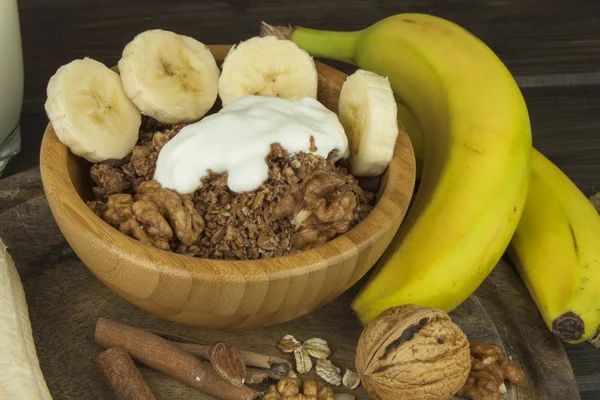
221, 293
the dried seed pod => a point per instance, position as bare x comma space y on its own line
317, 347
303, 361
409, 348
351, 379
289, 344
288, 387
329, 372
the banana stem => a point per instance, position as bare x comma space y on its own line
338, 46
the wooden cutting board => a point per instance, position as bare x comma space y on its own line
65, 301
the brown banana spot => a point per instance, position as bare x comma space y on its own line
569, 326
576, 247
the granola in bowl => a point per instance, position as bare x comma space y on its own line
306, 201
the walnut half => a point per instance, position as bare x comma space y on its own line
323, 206
489, 370
163, 211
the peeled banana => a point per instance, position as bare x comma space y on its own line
477, 155
90, 112
267, 66
170, 77
21, 376
556, 249
367, 111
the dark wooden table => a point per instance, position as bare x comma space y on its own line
551, 46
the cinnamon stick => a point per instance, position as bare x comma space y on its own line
230, 366
277, 366
162, 356
259, 375
122, 376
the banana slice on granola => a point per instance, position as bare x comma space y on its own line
90, 112
267, 66
172, 78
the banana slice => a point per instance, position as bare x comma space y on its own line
368, 113
267, 66
90, 112
170, 77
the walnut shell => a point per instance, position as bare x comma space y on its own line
415, 353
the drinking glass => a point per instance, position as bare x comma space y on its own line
11, 81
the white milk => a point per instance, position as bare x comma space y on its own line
237, 139
11, 80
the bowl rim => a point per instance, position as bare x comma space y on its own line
388, 209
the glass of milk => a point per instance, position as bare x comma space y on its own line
11, 81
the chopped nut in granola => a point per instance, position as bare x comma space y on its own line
118, 209
108, 180
306, 201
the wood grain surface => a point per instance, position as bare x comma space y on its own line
226, 294
552, 47
65, 300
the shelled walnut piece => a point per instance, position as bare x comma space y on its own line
489, 370
290, 389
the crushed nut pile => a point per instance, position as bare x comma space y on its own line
289, 389
325, 369
307, 201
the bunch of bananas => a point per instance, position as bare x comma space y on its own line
483, 187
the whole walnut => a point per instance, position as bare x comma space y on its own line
410, 352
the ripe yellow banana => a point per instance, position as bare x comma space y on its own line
477, 154
556, 249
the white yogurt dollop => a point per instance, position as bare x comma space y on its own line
237, 139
